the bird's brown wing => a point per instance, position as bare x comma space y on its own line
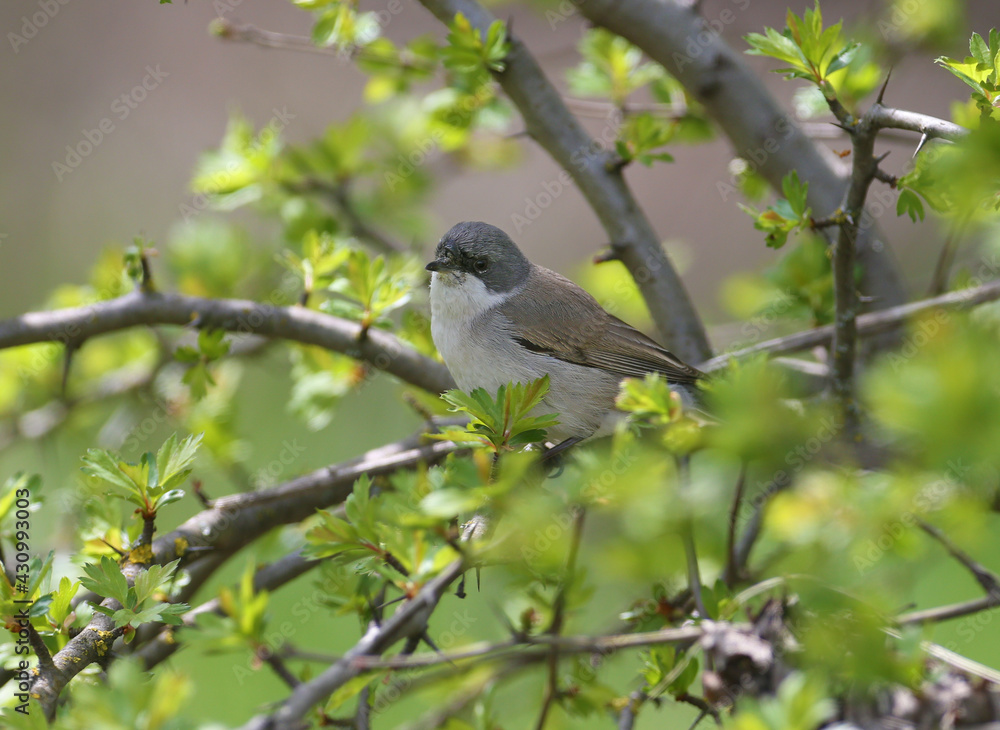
569, 324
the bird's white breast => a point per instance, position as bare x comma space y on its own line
480, 352
457, 301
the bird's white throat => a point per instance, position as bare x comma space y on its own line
458, 298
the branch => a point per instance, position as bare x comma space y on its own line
944, 613
845, 293
883, 117
92, 644
538, 648
870, 324
381, 349
760, 131
552, 126
267, 578
409, 620
232, 523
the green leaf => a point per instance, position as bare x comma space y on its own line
102, 465
149, 581
174, 459
105, 579
910, 204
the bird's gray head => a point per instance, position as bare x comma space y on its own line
484, 251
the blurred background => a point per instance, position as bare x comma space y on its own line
66, 77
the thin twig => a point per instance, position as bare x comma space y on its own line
983, 575
733, 570
942, 268
559, 616
278, 666
868, 325
409, 620
945, 613
339, 195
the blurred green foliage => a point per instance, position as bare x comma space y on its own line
339, 219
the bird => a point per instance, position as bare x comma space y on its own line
497, 318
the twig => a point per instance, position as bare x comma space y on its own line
339, 195
269, 39
552, 126
868, 325
410, 619
942, 268
268, 578
983, 575
381, 349
558, 616
626, 718
733, 570
537, 648
278, 666
284, 41
945, 613
701, 704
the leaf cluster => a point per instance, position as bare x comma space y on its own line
788, 214
503, 421
150, 484
139, 601
811, 51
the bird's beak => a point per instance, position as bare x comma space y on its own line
441, 263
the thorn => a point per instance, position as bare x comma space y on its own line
121, 554
881, 157
200, 495
427, 640
609, 255
881, 93
920, 144
382, 606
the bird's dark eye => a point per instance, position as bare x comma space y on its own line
480, 265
